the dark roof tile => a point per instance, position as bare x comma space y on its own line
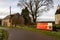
10, 16
58, 11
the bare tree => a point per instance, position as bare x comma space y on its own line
35, 6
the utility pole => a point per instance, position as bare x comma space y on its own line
10, 10
10, 16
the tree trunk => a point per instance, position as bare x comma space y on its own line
34, 20
15, 25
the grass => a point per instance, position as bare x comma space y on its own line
3, 34
50, 33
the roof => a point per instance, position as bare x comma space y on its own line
58, 11
58, 7
10, 16
45, 21
0, 19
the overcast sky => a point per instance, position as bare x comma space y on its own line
4, 8
50, 15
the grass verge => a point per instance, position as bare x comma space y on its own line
3, 34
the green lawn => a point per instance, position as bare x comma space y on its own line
3, 34
50, 33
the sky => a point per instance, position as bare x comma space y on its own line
5, 4
50, 15
4, 7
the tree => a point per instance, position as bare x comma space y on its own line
35, 6
25, 14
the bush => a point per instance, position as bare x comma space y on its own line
56, 27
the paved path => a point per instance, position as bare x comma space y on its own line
20, 34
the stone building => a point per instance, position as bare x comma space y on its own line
13, 20
57, 15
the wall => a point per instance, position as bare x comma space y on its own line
57, 19
5, 22
44, 25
